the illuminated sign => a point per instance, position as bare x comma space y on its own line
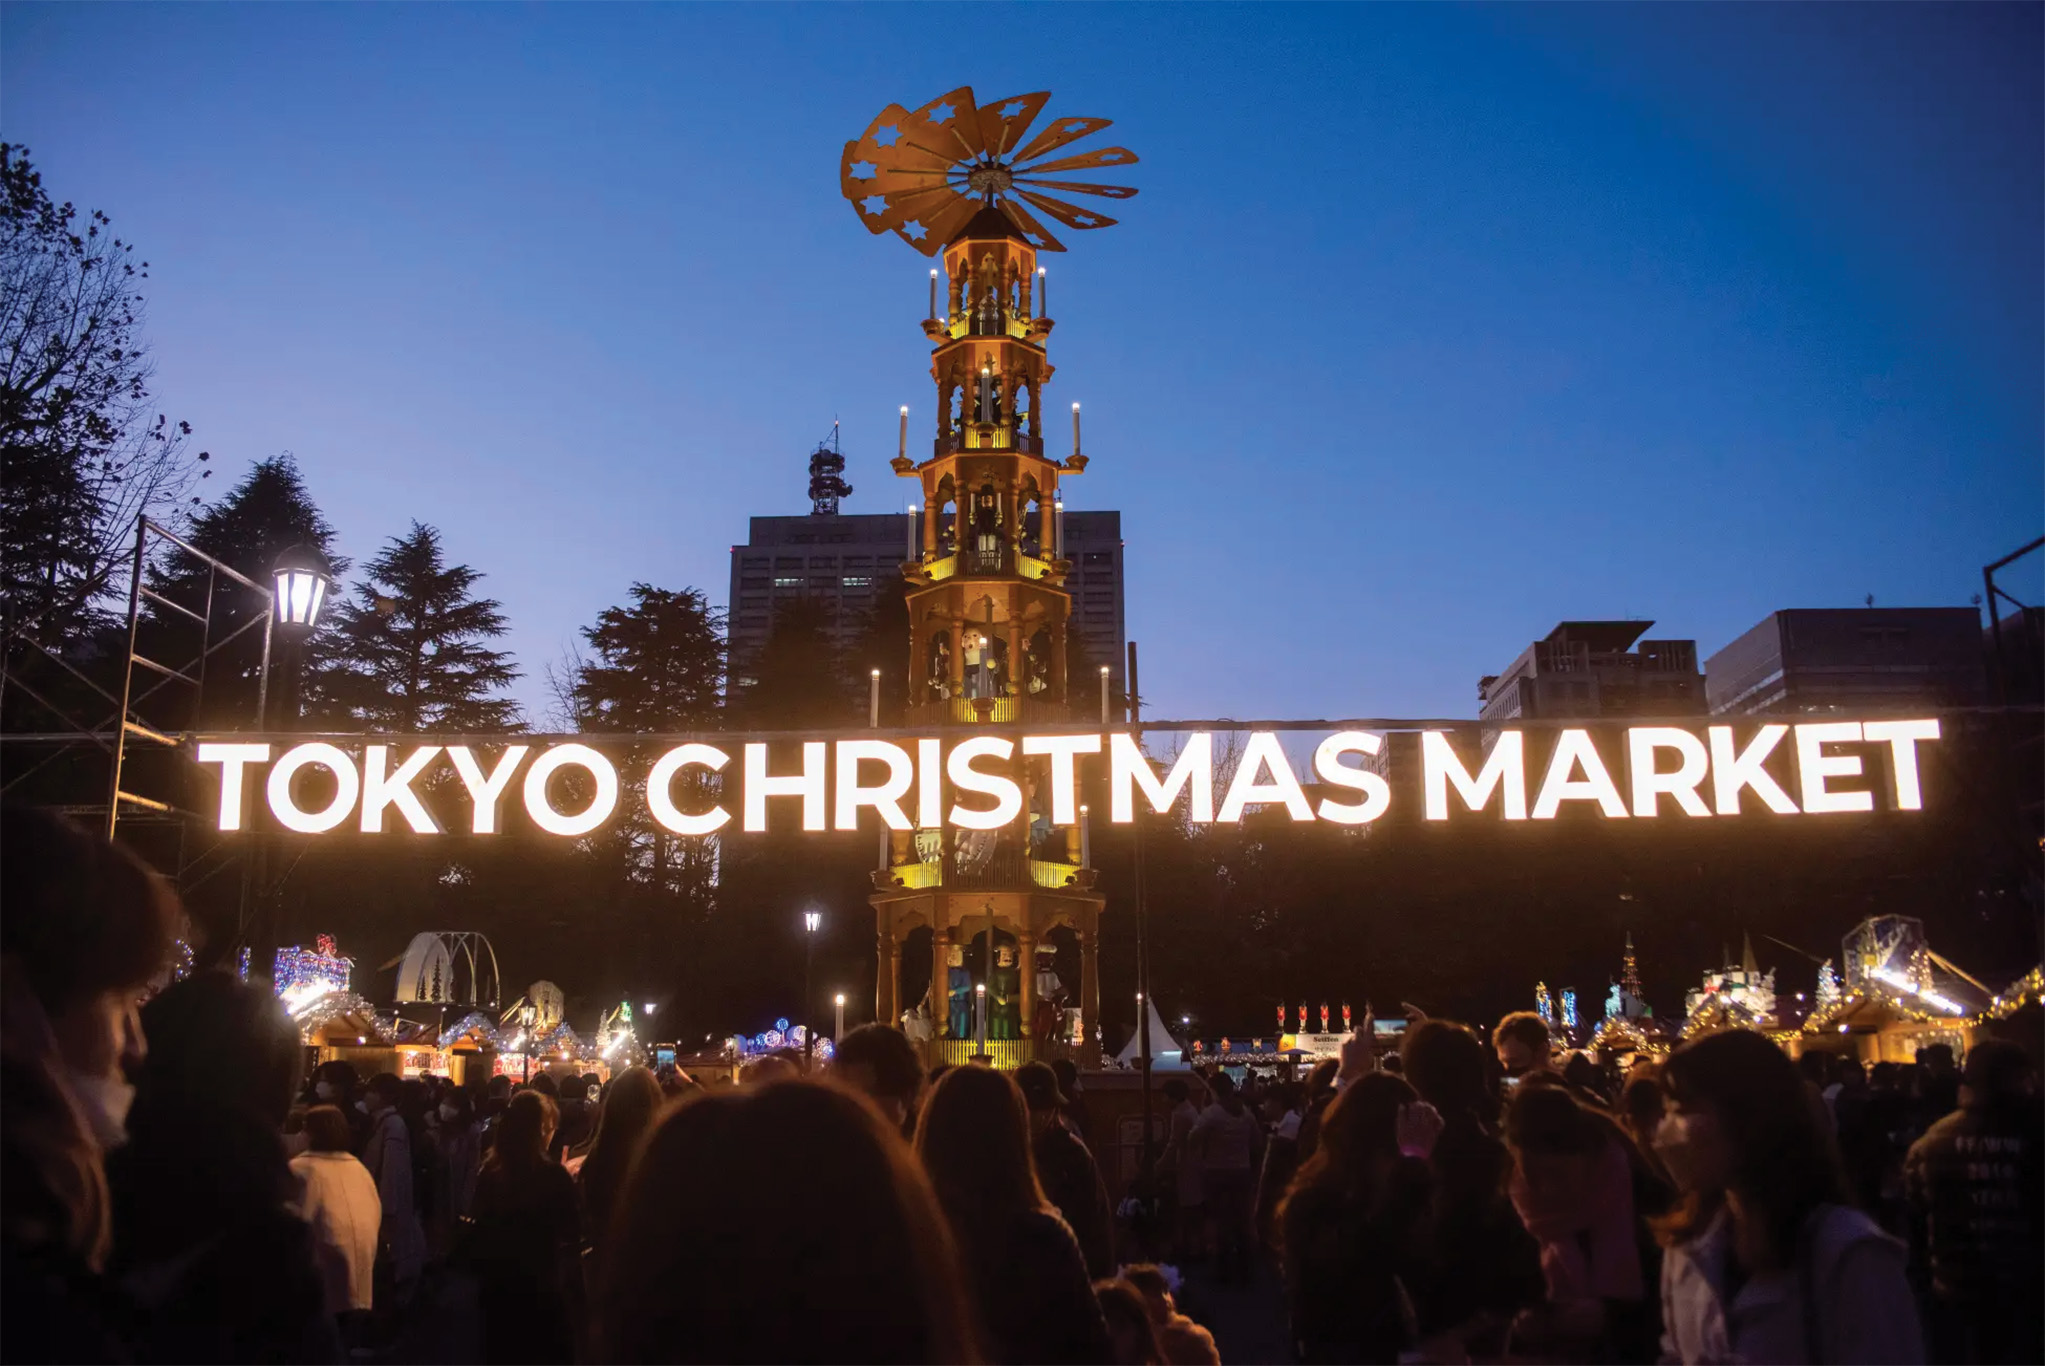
569, 788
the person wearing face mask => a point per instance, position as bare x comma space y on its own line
1523, 1046
1765, 1259
85, 926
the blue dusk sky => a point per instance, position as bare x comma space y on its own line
1430, 327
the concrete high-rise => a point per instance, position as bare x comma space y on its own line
846, 561
1850, 660
1584, 670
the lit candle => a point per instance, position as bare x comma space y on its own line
909, 545
933, 294
1058, 527
1043, 294
1104, 694
1086, 839
873, 701
902, 441
839, 1036
1075, 429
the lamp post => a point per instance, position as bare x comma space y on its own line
812, 921
302, 581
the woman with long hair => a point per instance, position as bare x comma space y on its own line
779, 1222
84, 927
630, 1108
525, 1239
1027, 1273
1352, 1228
1765, 1259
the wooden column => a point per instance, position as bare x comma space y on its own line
1090, 989
1018, 666
888, 984
894, 982
932, 510
1026, 964
940, 983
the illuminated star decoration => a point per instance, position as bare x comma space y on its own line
932, 169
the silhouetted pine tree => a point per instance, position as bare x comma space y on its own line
410, 649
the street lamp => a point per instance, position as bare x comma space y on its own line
302, 577
812, 921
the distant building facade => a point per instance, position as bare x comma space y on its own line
846, 561
1850, 660
1585, 670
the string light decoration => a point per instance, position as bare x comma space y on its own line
1544, 1004
1828, 987
1569, 1007
333, 1006
304, 975
2026, 990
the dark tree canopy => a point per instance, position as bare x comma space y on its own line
81, 452
659, 664
410, 650
799, 676
268, 512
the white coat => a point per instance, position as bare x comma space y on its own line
338, 1197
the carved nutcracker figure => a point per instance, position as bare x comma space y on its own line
1006, 989
959, 993
1050, 1013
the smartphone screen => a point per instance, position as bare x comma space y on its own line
1384, 1027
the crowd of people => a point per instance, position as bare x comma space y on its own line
175, 1191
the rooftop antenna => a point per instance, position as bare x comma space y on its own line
827, 476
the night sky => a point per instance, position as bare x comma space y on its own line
1430, 327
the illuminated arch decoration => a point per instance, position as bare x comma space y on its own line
924, 174
448, 968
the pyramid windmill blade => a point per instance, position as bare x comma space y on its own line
1085, 161
1004, 122
1039, 236
960, 123
924, 174
1077, 187
1058, 134
1071, 215
939, 223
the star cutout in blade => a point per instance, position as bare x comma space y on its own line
941, 113
887, 135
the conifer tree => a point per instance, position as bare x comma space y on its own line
410, 649
267, 513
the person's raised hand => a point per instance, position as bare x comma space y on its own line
1418, 1126
1356, 1058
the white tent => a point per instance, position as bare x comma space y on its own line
1165, 1052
